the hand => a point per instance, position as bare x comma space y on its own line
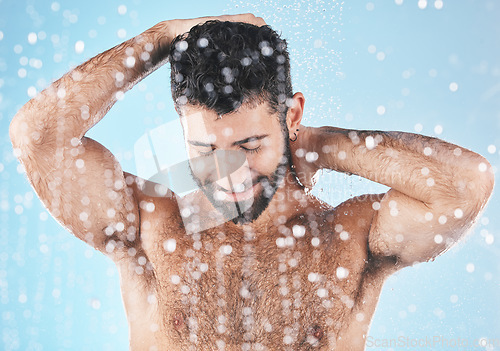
304, 156
180, 26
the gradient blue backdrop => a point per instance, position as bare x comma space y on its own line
419, 66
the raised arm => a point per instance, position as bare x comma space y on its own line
77, 179
437, 188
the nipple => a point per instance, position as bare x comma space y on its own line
317, 332
178, 321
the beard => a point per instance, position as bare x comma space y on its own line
241, 212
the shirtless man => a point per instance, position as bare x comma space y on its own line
283, 271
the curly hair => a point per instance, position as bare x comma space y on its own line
222, 65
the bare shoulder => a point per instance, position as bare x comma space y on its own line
159, 214
147, 192
157, 204
355, 217
357, 212
157, 210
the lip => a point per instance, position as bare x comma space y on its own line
245, 195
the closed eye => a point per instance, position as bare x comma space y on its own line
253, 150
257, 149
206, 153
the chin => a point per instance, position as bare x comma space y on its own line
247, 211
251, 214
241, 212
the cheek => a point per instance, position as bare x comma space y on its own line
266, 161
201, 167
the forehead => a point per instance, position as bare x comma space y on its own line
200, 122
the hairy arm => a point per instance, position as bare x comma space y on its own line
78, 180
437, 188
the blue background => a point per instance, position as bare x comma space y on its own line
419, 66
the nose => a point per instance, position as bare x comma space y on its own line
228, 169
236, 181
233, 171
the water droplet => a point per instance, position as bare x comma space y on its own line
170, 245
442, 219
22, 298
298, 231
470, 268
226, 249
344, 235
122, 9
32, 38
95, 304
79, 46
453, 87
322, 292
121, 33
489, 239
342, 272
32, 91
312, 277
422, 4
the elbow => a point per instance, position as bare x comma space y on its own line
468, 192
18, 130
23, 132
484, 182
473, 194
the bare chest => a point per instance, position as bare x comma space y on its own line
292, 288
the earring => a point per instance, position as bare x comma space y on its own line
295, 135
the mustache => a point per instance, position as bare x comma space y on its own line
214, 186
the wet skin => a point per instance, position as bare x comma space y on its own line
297, 277
292, 272
321, 287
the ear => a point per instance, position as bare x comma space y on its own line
294, 114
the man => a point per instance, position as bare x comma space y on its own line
252, 261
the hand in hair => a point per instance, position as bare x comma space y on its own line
181, 26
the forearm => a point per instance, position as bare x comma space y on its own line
424, 168
78, 100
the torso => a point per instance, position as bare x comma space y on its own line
242, 288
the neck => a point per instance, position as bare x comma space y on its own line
289, 195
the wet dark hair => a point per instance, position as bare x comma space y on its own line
222, 65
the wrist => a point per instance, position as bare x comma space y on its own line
308, 146
327, 142
169, 29
157, 39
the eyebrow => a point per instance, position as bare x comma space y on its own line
236, 143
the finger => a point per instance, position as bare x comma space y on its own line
247, 18
260, 21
